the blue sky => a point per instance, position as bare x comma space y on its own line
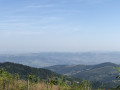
59, 25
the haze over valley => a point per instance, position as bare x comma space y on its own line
49, 59
70, 44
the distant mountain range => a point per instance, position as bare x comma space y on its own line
49, 59
104, 72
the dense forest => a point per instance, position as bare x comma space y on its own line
104, 72
21, 77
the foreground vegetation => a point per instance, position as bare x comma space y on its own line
13, 82
20, 77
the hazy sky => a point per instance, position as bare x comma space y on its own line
59, 25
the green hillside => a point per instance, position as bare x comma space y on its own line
98, 75
105, 72
101, 73
24, 70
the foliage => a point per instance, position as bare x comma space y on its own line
17, 79
18, 84
118, 87
24, 70
118, 68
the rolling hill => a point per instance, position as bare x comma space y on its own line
24, 70
104, 72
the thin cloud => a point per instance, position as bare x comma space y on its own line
40, 6
67, 11
95, 1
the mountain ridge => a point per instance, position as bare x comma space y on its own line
104, 72
50, 59
24, 70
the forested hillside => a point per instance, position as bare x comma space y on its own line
16, 77
97, 76
24, 70
104, 72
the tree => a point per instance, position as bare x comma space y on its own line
31, 77
118, 87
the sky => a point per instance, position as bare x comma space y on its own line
28, 26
